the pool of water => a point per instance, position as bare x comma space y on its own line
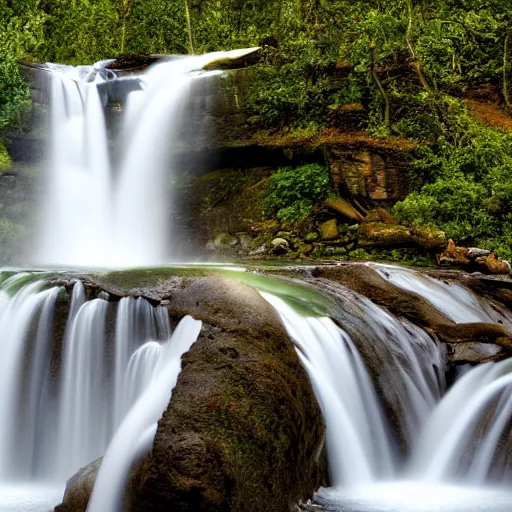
29, 498
414, 497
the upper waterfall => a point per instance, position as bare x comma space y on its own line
101, 212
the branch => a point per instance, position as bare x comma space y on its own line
379, 85
506, 94
189, 27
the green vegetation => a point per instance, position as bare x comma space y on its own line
404, 63
5, 159
469, 189
292, 192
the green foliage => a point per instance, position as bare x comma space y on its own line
20, 36
470, 191
5, 159
292, 192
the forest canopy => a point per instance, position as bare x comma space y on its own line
410, 63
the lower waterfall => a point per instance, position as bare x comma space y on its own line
459, 451
89, 376
70, 382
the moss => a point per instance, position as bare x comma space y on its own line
130, 279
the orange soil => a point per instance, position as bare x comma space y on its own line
490, 114
332, 136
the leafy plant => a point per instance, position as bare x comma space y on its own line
292, 192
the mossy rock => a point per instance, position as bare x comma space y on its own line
243, 431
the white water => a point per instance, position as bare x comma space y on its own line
452, 299
99, 214
50, 426
134, 438
461, 442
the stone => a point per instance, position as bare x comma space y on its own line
225, 241
279, 246
79, 488
380, 234
329, 230
344, 208
471, 352
243, 413
474, 259
475, 252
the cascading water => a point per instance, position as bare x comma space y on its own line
458, 444
100, 386
59, 390
97, 213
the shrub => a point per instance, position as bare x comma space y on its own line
292, 192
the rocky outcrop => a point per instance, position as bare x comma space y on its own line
242, 430
473, 259
370, 173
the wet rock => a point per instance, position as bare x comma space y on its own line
344, 208
279, 246
471, 352
79, 488
243, 429
329, 230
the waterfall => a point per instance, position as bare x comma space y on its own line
458, 441
64, 394
112, 210
134, 438
452, 299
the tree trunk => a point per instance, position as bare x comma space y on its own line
189, 28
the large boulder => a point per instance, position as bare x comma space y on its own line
243, 430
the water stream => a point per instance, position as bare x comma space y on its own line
457, 457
